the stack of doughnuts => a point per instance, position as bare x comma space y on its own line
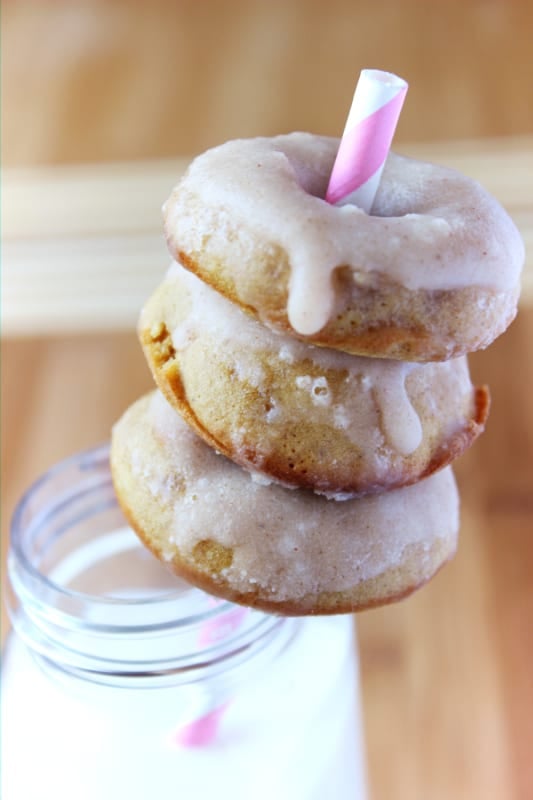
313, 386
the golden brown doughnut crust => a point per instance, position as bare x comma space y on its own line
434, 273
303, 446
384, 320
207, 564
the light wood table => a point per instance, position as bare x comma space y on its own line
106, 80
447, 674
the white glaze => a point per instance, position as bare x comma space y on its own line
380, 399
432, 228
290, 543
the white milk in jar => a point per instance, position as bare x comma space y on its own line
120, 681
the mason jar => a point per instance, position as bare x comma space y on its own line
121, 681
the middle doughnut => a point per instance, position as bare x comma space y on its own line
302, 415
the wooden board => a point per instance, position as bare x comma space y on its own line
108, 80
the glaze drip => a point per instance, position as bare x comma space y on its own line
400, 422
311, 298
374, 399
431, 229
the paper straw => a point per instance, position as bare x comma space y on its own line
367, 138
203, 730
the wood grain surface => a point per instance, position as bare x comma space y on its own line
106, 80
104, 102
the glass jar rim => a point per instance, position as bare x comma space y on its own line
19, 544
67, 624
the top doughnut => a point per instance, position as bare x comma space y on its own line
432, 274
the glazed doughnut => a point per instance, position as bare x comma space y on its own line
306, 416
290, 552
432, 274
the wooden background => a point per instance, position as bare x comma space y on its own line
100, 80
103, 103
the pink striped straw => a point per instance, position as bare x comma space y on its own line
203, 731
367, 137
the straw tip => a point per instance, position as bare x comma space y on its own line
386, 78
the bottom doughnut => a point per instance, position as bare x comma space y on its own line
286, 551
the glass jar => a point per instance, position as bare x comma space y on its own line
120, 681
